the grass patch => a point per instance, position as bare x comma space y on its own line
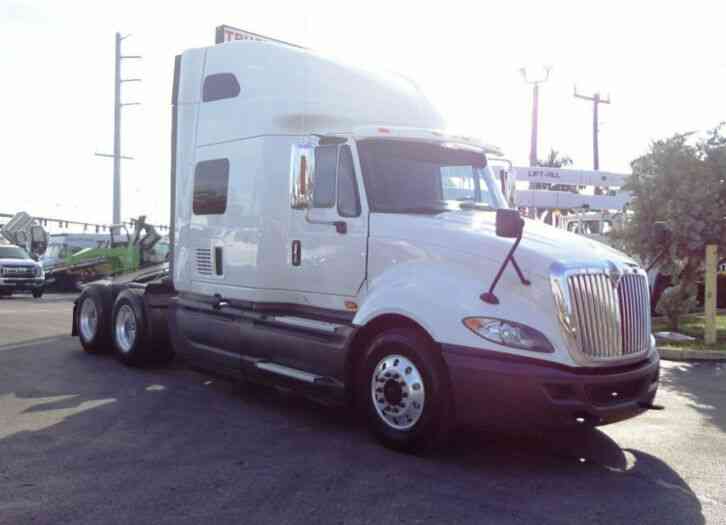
693, 325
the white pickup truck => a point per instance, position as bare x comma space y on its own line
19, 272
329, 237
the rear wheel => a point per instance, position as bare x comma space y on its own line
403, 387
134, 339
92, 320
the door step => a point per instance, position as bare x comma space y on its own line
294, 373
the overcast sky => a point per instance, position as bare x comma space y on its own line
663, 63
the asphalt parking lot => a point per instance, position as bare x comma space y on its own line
85, 440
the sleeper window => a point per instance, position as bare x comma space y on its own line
211, 179
326, 160
348, 203
220, 86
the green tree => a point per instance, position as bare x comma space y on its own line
681, 181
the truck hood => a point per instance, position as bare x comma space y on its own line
474, 233
17, 262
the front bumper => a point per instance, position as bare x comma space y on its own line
19, 284
494, 388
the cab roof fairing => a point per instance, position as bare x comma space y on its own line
415, 134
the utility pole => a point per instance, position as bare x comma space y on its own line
117, 105
596, 100
535, 110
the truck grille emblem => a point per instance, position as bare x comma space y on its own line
615, 274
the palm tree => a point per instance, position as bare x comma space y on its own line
554, 160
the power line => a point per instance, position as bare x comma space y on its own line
66, 223
596, 100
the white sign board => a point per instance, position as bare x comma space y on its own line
224, 34
570, 177
563, 200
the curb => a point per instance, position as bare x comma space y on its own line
671, 354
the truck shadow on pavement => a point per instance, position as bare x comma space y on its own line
704, 385
86, 440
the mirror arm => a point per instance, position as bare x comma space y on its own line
525, 281
489, 297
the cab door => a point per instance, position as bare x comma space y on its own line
328, 241
326, 267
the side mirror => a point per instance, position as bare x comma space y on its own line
661, 232
302, 167
509, 224
38, 240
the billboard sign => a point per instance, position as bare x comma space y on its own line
225, 33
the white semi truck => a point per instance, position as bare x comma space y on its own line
328, 236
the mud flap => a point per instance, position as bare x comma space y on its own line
74, 326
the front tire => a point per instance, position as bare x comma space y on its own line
37, 294
404, 390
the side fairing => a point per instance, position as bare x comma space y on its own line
188, 98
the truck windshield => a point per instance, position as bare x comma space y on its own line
12, 252
418, 177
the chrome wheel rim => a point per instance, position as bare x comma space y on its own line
125, 328
88, 319
398, 392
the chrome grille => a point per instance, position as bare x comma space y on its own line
610, 322
204, 261
18, 271
635, 309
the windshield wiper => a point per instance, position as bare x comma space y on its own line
471, 205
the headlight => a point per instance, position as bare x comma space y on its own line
508, 333
39, 271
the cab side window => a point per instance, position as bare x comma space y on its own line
348, 202
211, 181
326, 161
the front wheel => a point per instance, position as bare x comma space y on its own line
404, 389
37, 294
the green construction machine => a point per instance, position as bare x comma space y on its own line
120, 253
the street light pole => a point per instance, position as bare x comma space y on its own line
117, 105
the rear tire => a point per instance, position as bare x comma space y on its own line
92, 319
135, 341
404, 390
